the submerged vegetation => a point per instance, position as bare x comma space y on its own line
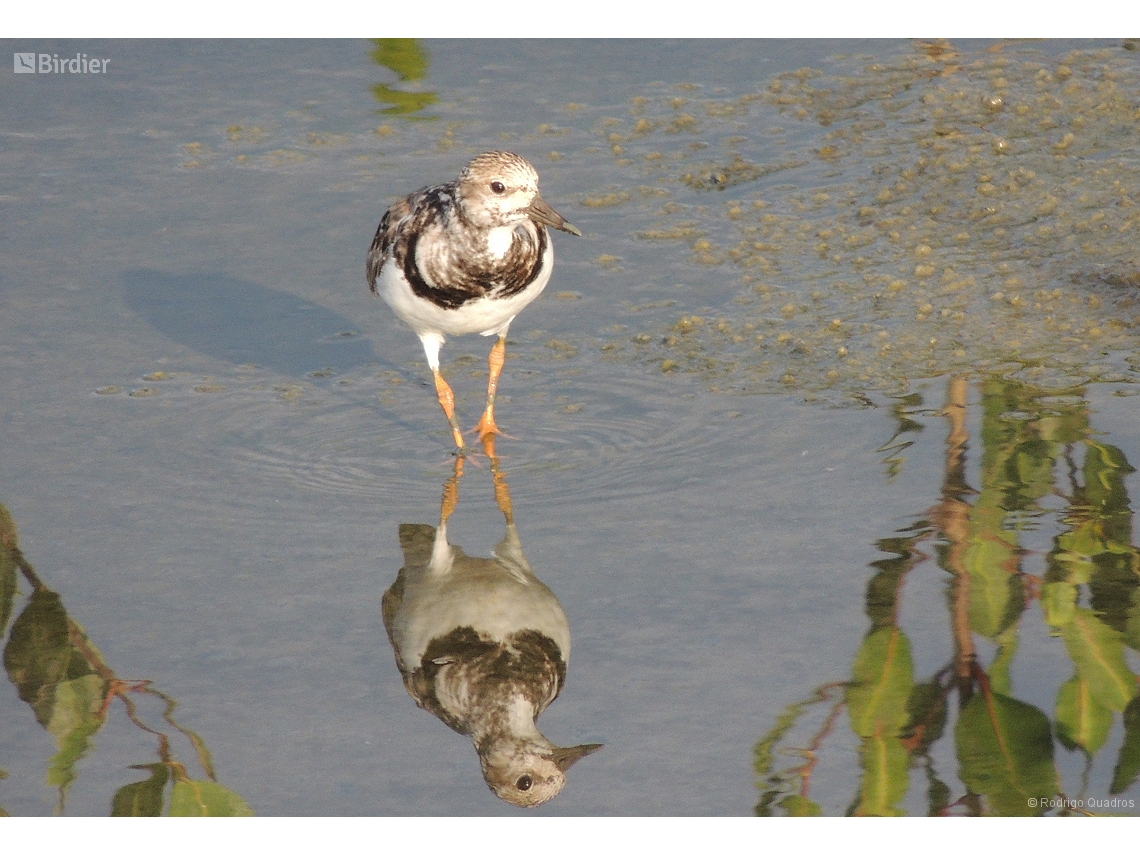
938, 212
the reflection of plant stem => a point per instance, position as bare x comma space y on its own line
957, 441
806, 770
978, 673
773, 785
204, 758
1085, 776
116, 687
177, 771
952, 516
132, 714
78, 639
25, 567
972, 802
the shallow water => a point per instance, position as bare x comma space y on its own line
789, 448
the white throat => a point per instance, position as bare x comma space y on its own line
499, 240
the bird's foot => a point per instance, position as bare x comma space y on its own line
487, 428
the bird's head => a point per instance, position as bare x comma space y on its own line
499, 188
527, 773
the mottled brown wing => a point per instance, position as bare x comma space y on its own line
385, 236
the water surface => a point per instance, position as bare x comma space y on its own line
823, 428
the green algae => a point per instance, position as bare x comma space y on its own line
943, 212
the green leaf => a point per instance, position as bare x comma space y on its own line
403, 56
75, 719
1032, 468
1078, 567
1128, 763
1098, 652
1132, 622
1000, 680
797, 805
1082, 721
402, 102
1083, 541
926, 714
1104, 470
39, 653
1058, 603
1113, 582
8, 537
762, 753
885, 779
997, 594
142, 798
1005, 753
882, 677
937, 793
206, 798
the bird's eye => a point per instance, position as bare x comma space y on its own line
524, 782
498, 188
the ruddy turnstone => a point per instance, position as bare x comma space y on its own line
466, 257
483, 645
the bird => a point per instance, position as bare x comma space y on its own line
483, 645
466, 257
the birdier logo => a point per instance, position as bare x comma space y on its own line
50, 63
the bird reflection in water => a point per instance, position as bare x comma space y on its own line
482, 644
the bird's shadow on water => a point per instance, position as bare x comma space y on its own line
244, 323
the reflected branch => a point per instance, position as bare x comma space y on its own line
61, 674
1032, 442
205, 760
811, 752
952, 517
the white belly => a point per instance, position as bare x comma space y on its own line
479, 594
486, 316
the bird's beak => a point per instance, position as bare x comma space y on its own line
542, 213
564, 758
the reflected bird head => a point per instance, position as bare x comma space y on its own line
528, 774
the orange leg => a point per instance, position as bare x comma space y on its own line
488, 440
451, 492
487, 426
502, 492
447, 401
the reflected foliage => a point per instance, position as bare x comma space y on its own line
483, 645
61, 675
408, 59
1037, 448
903, 409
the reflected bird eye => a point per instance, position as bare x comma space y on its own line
524, 782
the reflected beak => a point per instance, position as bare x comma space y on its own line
564, 758
542, 213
